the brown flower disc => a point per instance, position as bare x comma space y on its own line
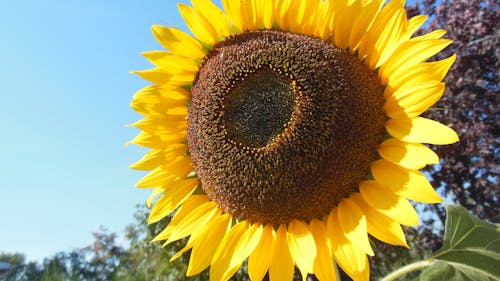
283, 126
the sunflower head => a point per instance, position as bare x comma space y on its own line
286, 131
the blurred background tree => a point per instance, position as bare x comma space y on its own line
467, 175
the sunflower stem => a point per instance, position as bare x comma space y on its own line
407, 269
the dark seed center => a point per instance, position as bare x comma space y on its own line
259, 108
282, 126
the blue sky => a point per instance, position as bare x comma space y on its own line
65, 93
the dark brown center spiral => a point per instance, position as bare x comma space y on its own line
282, 126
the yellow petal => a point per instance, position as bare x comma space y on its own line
148, 140
150, 160
422, 72
322, 21
353, 223
214, 16
174, 63
346, 14
175, 137
167, 174
155, 94
155, 75
352, 260
313, 17
193, 222
182, 79
281, 267
302, 247
384, 36
267, 17
189, 205
293, 15
436, 34
232, 9
198, 25
281, 10
248, 15
156, 157
260, 258
187, 247
173, 196
414, 101
157, 123
409, 155
421, 130
385, 202
324, 268
206, 244
202, 232
406, 183
152, 140
257, 9
380, 226
156, 100
410, 54
178, 42
166, 76
156, 191
413, 24
389, 38
363, 22
235, 247
160, 125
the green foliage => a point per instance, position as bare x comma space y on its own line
134, 259
471, 249
19, 270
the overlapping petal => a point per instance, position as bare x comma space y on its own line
281, 265
409, 155
379, 225
206, 244
302, 247
350, 258
384, 201
235, 247
404, 182
260, 258
324, 268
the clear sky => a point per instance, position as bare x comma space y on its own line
65, 90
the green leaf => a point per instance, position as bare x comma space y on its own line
471, 249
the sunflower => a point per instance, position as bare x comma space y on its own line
286, 131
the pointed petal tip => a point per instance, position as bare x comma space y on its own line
454, 139
156, 28
134, 167
353, 222
452, 59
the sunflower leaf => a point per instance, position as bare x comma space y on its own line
471, 249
